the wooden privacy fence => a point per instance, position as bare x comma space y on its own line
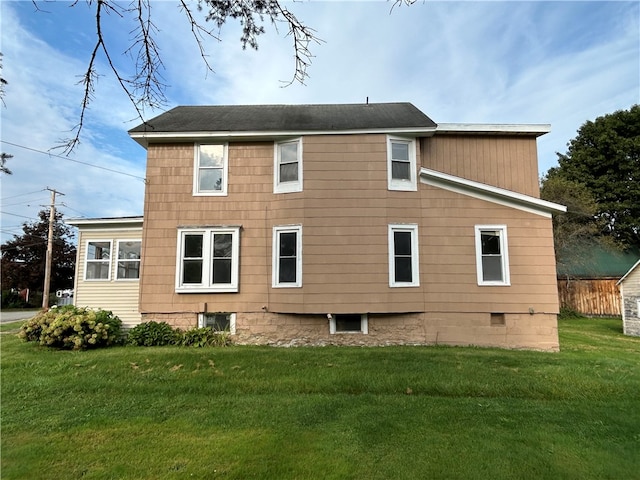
590, 296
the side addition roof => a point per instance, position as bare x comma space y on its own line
269, 121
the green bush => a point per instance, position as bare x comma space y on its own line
567, 313
73, 328
205, 337
152, 334
12, 299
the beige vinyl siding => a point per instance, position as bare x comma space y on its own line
345, 209
119, 296
630, 292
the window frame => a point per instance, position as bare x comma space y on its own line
87, 260
275, 261
412, 228
364, 325
410, 185
196, 171
504, 255
118, 260
208, 238
232, 320
287, 187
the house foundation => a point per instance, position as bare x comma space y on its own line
514, 331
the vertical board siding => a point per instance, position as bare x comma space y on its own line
590, 296
505, 162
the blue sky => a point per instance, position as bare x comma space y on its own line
558, 63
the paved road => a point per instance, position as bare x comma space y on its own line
14, 316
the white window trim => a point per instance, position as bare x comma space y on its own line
232, 321
207, 252
196, 170
415, 259
410, 185
297, 229
117, 260
286, 187
87, 260
504, 249
364, 326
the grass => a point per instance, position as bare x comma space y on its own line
325, 413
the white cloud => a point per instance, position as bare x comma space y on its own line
42, 101
561, 63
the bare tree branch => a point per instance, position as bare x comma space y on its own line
146, 87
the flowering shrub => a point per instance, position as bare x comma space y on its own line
73, 328
152, 334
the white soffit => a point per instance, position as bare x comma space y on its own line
494, 129
111, 223
490, 193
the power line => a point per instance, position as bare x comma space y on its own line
72, 160
21, 216
24, 202
77, 211
23, 194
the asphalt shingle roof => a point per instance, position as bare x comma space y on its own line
282, 118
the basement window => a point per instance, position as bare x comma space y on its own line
349, 323
220, 322
497, 319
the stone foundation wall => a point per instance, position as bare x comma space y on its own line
537, 331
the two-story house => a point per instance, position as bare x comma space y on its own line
347, 224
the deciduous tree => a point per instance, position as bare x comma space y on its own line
23, 257
605, 158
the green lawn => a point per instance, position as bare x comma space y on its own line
325, 413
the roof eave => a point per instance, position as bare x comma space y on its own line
531, 129
490, 193
145, 138
99, 222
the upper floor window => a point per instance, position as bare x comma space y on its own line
401, 164
98, 260
403, 256
128, 259
210, 169
287, 169
287, 256
492, 258
208, 259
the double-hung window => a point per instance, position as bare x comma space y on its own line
403, 256
287, 256
287, 168
208, 259
210, 169
492, 257
128, 260
401, 164
98, 260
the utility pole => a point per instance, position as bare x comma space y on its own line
49, 258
